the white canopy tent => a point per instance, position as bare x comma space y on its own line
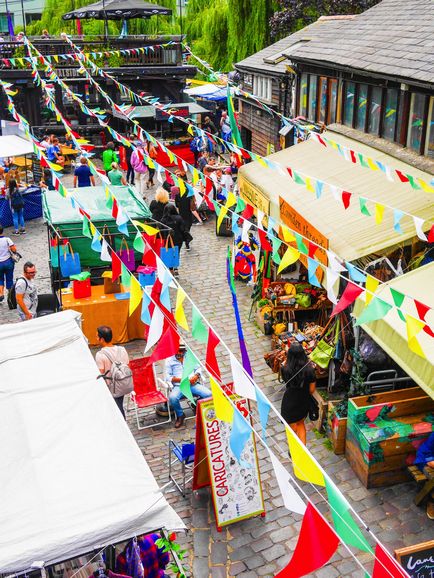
14, 146
72, 477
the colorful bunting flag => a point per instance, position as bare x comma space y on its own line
223, 408
199, 330
211, 359
240, 434
379, 213
243, 385
350, 294
371, 286
145, 316
179, 309
167, 345
414, 327
190, 364
363, 207
385, 566
397, 216
155, 328
331, 278
305, 468
291, 499
377, 309
291, 256
346, 197
116, 266
125, 276
355, 275
264, 408
135, 294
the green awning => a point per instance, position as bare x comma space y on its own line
391, 333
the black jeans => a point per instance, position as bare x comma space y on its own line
130, 173
120, 403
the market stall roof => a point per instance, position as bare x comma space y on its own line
117, 10
72, 476
391, 333
208, 91
350, 234
150, 111
57, 210
14, 146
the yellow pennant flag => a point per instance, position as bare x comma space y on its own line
414, 327
231, 199
196, 177
371, 286
190, 130
288, 237
371, 164
150, 163
425, 186
135, 295
170, 155
107, 192
223, 409
291, 256
302, 462
92, 228
179, 310
379, 212
181, 186
309, 185
147, 228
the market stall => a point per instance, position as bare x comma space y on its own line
67, 454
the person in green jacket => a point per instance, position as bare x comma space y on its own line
109, 156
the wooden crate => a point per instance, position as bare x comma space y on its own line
383, 432
337, 429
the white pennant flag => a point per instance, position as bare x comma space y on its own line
242, 384
336, 192
245, 233
155, 328
389, 174
291, 498
334, 262
105, 255
418, 223
159, 177
331, 278
260, 217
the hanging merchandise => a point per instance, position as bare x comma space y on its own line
169, 254
245, 260
69, 262
126, 255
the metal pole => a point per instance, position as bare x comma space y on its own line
105, 21
24, 17
180, 16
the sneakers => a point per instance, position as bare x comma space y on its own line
188, 248
22, 231
16, 232
179, 421
198, 223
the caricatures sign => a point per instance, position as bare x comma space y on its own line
418, 560
236, 488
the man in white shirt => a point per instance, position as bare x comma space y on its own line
27, 293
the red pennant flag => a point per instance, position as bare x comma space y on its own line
82, 212
44, 162
263, 239
312, 249
167, 345
149, 256
248, 212
116, 266
401, 176
353, 156
245, 154
428, 330
385, 566
115, 208
319, 139
346, 196
211, 359
349, 295
431, 235
316, 544
290, 172
422, 309
208, 185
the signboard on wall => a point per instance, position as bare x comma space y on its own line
253, 195
236, 488
418, 560
174, 110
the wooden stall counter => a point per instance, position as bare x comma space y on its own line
100, 309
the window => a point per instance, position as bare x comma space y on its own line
333, 99
313, 83
303, 95
389, 115
375, 110
262, 87
32, 16
4, 22
362, 99
322, 99
415, 121
350, 88
429, 143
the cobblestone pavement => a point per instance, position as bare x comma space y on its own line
259, 546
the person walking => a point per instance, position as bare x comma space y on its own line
116, 176
186, 207
299, 376
113, 363
109, 156
152, 153
27, 293
157, 205
140, 169
7, 264
16, 200
128, 153
209, 126
83, 176
225, 127
174, 368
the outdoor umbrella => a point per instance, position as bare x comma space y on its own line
117, 10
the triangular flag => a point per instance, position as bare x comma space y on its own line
414, 327
145, 316
211, 359
350, 294
346, 197
377, 309
264, 408
167, 345
116, 266
379, 213
179, 309
139, 243
331, 278
96, 244
125, 276
305, 468
199, 330
371, 286
86, 229
223, 408
334, 263
319, 185
422, 309
291, 256
301, 245
363, 208
311, 272
346, 528
189, 366
397, 216
291, 499
240, 434
355, 275
316, 544
418, 223
243, 385
385, 566
135, 295
155, 328
276, 246
105, 255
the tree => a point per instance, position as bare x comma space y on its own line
295, 14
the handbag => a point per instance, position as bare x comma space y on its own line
69, 262
170, 255
313, 409
15, 256
126, 255
325, 350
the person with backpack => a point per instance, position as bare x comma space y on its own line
7, 263
16, 200
140, 168
197, 147
109, 156
24, 294
113, 363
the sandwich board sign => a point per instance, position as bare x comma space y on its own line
236, 488
418, 560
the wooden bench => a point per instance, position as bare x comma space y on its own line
425, 482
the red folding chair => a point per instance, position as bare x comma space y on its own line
146, 393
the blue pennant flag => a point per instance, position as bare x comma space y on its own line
311, 272
355, 275
240, 434
263, 409
96, 244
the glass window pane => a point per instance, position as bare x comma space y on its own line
313, 82
333, 100
303, 95
375, 110
389, 120
429, 147
349, 103
322, 99
415, 121
362, 100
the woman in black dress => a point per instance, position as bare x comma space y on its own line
299, 377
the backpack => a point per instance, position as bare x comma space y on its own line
12, 294
194, 145
120, 381
17, 201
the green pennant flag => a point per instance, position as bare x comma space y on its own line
125, 276
377, 309
86, 229
363, 208
346, 528
298, 178
216, 207
300, 244
138, 243
198, 329
398, 299
109, 202
236, 137
413, 182
276, 246
362, 161
190, 363
241, 205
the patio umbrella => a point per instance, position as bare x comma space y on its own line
117, 10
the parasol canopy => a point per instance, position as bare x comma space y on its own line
117, 10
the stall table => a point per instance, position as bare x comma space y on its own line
32, 206
101, 309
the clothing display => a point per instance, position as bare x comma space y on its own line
142, 559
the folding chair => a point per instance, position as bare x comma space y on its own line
146, 393
185, 455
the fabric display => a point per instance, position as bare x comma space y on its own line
142, 558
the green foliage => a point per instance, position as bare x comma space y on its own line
169, 545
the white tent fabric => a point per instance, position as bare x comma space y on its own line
72, 477
14, 146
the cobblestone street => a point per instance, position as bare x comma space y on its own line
259, 546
